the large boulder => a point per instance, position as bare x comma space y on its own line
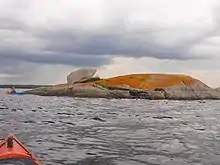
80, 75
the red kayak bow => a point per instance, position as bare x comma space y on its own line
12, 150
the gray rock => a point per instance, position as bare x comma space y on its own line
196, 91
80, 91
80, 75
217, 89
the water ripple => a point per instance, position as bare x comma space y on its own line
114, 132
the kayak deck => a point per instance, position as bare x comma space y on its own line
12, 149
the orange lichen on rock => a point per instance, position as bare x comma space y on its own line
147, 81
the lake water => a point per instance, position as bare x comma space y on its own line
74, 131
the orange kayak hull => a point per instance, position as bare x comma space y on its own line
11, 147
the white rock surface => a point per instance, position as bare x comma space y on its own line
80, 75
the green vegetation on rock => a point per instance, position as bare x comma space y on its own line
91, 80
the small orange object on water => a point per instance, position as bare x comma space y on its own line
11, 149
6, 92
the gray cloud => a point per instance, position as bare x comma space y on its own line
77, 35
71, 45
99, 45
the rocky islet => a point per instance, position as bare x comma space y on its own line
81, 83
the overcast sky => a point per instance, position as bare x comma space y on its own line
41, 41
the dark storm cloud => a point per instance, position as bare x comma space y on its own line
98, 45
113, 45
76, 60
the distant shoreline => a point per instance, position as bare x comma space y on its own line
23, 86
